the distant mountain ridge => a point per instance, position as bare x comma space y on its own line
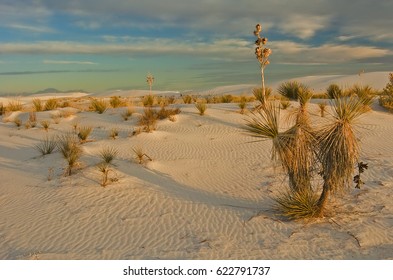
54, 90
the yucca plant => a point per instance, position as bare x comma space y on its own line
140, 154
108, 154
291, 89
84, 133
334, 91
365, 94
339, 148
260, 96
187, 99
71, 150
148, 100
47, 145
322, 108
104, 168
51, 104
297, 205
201, 107
99, 105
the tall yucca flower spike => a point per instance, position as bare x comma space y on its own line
262, 55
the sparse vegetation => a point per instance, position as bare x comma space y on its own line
127, 113
140, 155
292, 89
165, 113
18, 122
187, 99
386, 99
14, 105
115, 101
84, 133
148, 100
260, 96
297, 205
108, 154
334, 91
99, 105
45, 124
71, 150
201, 106
114, 133
51, 104
242, 104
150, 80
46, 146
37, 104
322, 108
2, 109
148, 120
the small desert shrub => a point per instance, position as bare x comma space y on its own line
115, 101
292, 89
114, 133
108, 154
165, 113
71, 150
84, 133
242, 104
201, 106
45, 124
148, 120
51, 104
297, 205
104, 169
18, 122
148, 100
99, 105
66, 113
365, 94
320, 96
14, 105
334, 91
127, 113
227, 98
37, 104
46, 146
140, 154
322, 108
187, 99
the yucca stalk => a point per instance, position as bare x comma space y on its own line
339, 148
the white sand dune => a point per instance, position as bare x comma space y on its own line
206, 194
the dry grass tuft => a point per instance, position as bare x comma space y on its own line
71, 150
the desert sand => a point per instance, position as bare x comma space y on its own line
207, 193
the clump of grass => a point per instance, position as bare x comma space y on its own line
71, 150
165, 113
297, 205
115, 101
140, 155
127, 113
108, 154
148, 100
242, 104
51, 104
45, 124
148, 120
322, 108
14, 105
201, 106
386, 99
37, 104
99, 105
84, 133
187, 99
227, 98
114, 133
47, 145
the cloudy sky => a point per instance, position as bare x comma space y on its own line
186, 44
